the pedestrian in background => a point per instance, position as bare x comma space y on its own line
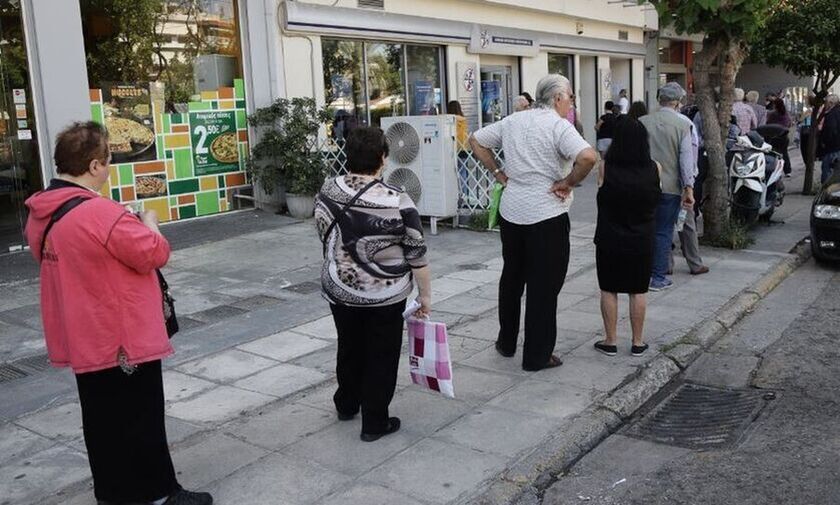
623, 102
669, 134
539, 144
461, 139
628, 195
779, 114
760, 110
637, 110
744, 113
529, 98
830, 136
373, 251
102, 308
604, 128
520, 103
572, 115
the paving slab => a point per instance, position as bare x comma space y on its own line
178, 386
599, 372
32, 479
277, 426
218, 404
17, 442
284, 346
282, 380
339, 448
425, 412
227, 365
477, 386
369, 494
447, 470
498, 431
212, 458
480, 276
320, 328
465, 304
62, 423
278, 479
723, 370
544, 398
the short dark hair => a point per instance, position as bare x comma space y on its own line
79, 144
528, 97
365, 147
637, 110
609, 105
454, 107
630, 145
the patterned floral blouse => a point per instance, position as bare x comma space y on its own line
371, 251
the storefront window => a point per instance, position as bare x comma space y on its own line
344, 82
424, 86
563, 64
671, 52
166, 79
365, 81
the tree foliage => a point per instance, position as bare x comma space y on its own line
728, 27
803, 37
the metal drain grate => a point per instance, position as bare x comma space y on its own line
305, 288
257, 302
9, 373
473, 266
701, 417
217, 313
37, 363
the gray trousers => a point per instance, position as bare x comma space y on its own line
688, 244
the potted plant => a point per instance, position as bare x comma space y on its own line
287, 154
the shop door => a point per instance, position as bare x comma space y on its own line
496, 93
20, 166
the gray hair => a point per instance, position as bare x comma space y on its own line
739, 95
671, 93
752, 96
831, 101
549, 88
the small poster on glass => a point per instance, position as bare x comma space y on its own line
128, 118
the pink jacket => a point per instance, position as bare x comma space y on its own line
99, 290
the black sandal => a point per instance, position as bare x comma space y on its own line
553, 362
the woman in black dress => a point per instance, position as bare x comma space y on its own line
627, 199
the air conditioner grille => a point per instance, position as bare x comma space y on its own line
372, 4
408, 181
403, 143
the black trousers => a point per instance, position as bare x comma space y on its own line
369, 343
125, 435
536, 256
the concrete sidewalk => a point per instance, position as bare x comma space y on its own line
249, 409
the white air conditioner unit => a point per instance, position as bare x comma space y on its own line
423, 161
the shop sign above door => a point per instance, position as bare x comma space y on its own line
492, 40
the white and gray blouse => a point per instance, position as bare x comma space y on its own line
371, 251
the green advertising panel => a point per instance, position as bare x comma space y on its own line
214, 141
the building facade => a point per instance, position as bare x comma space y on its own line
174, 80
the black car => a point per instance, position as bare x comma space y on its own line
825, 219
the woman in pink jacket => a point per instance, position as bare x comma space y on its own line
102, 308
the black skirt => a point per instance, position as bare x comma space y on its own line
125, 434
623, 272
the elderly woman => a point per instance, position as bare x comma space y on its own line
102, 308
540, 145
373, 250
760, 110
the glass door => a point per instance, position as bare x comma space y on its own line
496, 93
20, 163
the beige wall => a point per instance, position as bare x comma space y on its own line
533, 69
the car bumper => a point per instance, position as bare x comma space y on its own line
825, 236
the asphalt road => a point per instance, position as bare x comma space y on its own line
789, 455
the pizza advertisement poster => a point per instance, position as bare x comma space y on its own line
215, 142
150, 186
128, 118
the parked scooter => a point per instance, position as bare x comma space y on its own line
755, 179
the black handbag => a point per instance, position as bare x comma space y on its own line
169, 316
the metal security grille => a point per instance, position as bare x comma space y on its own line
475, 182
372, 4
10, 373
701, 417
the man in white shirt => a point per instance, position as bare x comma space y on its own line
540, 146
623, 101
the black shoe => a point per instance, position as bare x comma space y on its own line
502, 352
393, 426
609, 350
638, 350
553, 362
342, 416
184, 497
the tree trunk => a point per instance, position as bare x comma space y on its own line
716, 208
811, 146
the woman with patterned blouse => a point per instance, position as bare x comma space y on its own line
373, 251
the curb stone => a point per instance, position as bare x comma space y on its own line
524, 482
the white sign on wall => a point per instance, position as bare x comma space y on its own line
491, 40
468, 91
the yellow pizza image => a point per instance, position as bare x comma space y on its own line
148, 186
123, 133
225, 148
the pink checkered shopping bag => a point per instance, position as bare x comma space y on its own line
428, 356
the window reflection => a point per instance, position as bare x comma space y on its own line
424, 86
386, 92
344, 84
